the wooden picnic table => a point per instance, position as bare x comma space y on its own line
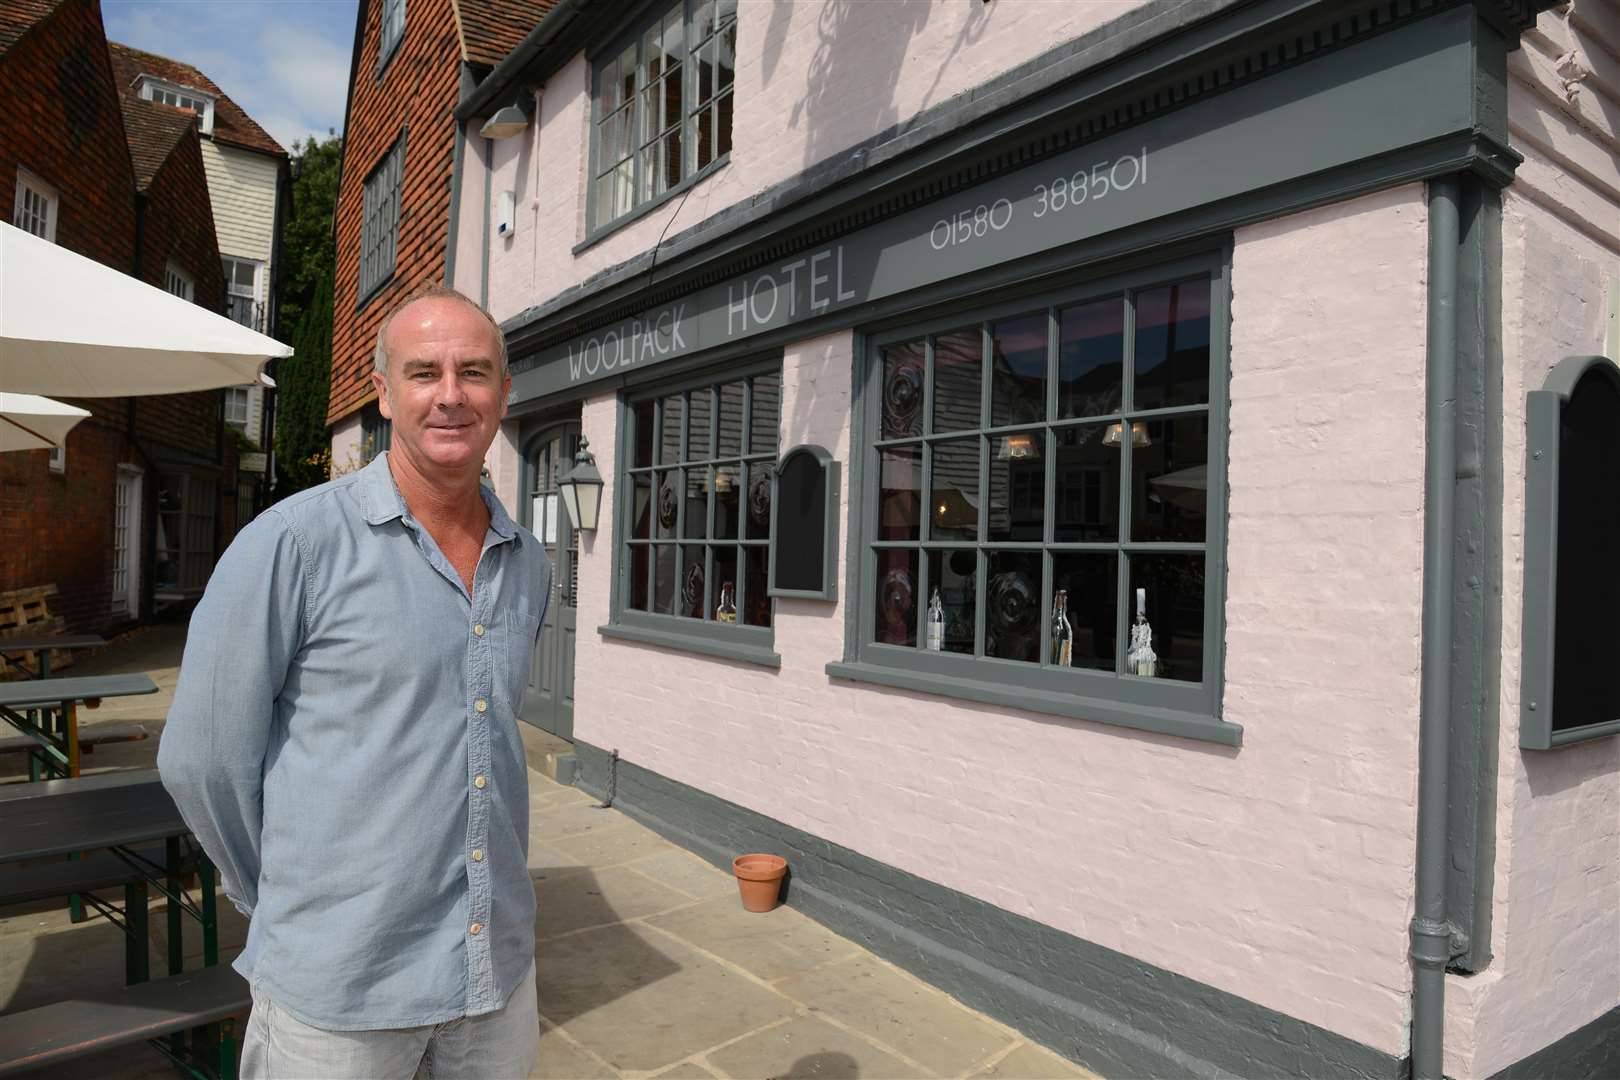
42, 645
47, 711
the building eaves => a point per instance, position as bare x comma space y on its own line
17, 17
566, 29
231, 123
490, 29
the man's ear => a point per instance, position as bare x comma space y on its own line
380, 384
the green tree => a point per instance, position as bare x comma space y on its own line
303, 380
307, 250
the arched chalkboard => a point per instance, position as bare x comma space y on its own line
804, 529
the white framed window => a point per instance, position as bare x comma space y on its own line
179, 282
237, 400
181, 97
126, 598
185, 532
58, 459
393, 31
35, 207
242, 278
379, 222
661, 107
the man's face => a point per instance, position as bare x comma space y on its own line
444, 390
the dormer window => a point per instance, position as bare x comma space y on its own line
181, 97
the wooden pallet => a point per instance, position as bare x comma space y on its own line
27, 612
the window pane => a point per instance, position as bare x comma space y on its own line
951, 574
953, 498
759, 500
669, 450
727, 500
722, 136
604, 200
704, 59
653, 174
1093, 606
903, 390
896, 618
765, 414
725, 573
726, 58
731, 420
958, 376
703, 137
1172, 345
1091, 351
756, 600
692, 581
674, 98
899, 485
669, 500
1018, 486
1169, 475
640, 506
1174, 587
664, 579
702, 19
644, 434
674, 162
696, 525
1018, 370
699, 440
638, 577
625, 89
1012, 600
623, 188
1086, 507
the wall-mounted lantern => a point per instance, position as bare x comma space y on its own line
581, 489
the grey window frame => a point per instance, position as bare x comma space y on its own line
631, 35
738, 641
387, 46
379, 243
1544, 410
1187, 710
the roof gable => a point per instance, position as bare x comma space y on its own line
492, 28
231, 124
153, 132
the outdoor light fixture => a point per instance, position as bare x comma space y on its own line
509, 120
1139, 435
581, 489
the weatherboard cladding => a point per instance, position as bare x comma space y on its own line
413, 94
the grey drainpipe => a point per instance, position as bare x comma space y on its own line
489, 169
1431, 932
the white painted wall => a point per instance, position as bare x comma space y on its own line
1281, 871
1556, 909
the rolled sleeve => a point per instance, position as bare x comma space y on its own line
242, 639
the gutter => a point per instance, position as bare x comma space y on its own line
510, 70
1432, 934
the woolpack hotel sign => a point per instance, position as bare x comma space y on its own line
1357, 105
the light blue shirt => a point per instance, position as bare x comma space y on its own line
344, 743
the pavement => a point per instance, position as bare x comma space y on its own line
648, 965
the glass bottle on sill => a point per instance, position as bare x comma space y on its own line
1141, 659
727, 610
936, 624
1062, 632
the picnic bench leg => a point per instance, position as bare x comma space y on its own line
137, 939
227, 1049
69, 720
171, 859
210, 911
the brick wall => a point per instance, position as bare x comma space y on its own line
417, 90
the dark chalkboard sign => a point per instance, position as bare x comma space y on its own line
804, 537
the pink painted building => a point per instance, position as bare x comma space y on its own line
1184, 638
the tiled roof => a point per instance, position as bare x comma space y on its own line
153, 132
17, 17
492, 28
231, 124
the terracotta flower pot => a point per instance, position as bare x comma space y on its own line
759, 878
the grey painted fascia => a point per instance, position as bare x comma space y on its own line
457, 155
1113, 1013
688, 643
536, 56
489, 179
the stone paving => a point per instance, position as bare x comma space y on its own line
648, 965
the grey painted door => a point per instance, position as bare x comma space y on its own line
548, 702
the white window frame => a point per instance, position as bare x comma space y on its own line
127, 555
58, 459
177, 96
238, 406
28, 218
230, 263
178, 282
392, 32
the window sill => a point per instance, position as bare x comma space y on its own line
1184, 725
596, 237
367, 298
747, 654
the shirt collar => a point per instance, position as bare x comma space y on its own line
384, 503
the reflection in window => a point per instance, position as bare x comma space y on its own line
1087, 456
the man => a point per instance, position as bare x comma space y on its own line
344, 738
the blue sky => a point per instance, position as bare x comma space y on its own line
284, 61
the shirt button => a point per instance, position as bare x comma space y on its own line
475, 928
480, 704
478, 781
478, 854
478, 629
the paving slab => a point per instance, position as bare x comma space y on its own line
684, 871
809, 1048
642, 1000
560, 1059
685, 1071
609, 846
898, 1010
1031, 1062
572, 818
596, 898
771, 944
